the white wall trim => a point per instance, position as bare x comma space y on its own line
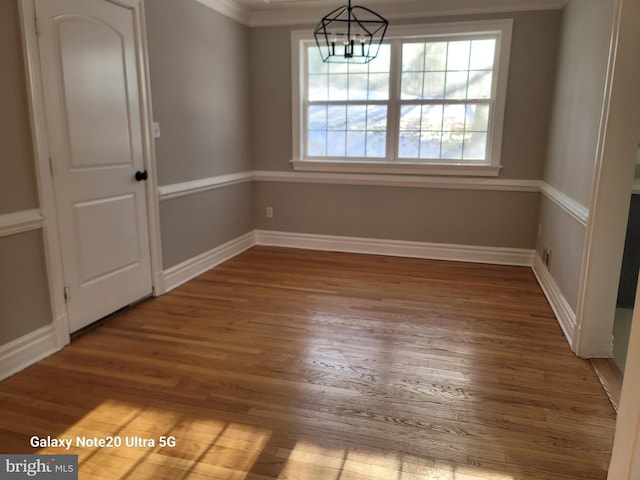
46, 192
185, 271
146, 112
22, 221
412, 181
228, 8
27, 350
176, 190
574, 208
397, 248
394, 168
312, 12
291, 13
564, 313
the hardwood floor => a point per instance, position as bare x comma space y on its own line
296, 364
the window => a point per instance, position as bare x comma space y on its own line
432, 101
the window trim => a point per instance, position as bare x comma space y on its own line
501, 28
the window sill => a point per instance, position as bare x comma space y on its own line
396, 168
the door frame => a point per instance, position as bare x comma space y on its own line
42, 154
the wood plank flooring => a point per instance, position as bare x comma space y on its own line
296, 364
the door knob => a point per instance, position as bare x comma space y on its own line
141, 175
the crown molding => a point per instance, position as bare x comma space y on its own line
310, 13
296, 12
230, 9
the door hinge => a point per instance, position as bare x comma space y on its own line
37, 26
51, 166
67, 297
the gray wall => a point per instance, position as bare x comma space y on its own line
504, 219
202, 221
24, 295
573, 134
18, 189
24, 291
466, 217
575, 119
199, 68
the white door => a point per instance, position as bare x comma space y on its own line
92, 104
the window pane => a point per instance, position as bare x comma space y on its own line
356, 142
318, 87
480, 84
432, 117
382, 63
336, 144
430, 143
357, 117
357, 86
410, 117
433, 85
475, 145
376, 144
358, 68
458, 55
436, 56
482, 54
477, 118
317, 143
336, 68
409, 145
317, 117
412, 85
413, 57
337, 117
452, 145
316, 65
453, 118
379, 86
338, 87
456, 85
376, 117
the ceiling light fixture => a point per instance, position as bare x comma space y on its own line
350, 34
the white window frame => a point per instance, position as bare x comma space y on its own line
500, 28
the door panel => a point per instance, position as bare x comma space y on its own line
94, 73
105, 251
90, 82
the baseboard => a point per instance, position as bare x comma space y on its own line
185, 271
397, 248
564, 313
27, 350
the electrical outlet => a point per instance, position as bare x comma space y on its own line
546, 257
269, 212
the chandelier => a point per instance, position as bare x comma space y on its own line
350, 34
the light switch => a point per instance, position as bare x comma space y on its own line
156, 130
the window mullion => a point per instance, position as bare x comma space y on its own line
393, 110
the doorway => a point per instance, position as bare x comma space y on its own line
628, 276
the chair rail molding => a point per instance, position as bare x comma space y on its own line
176, 190
574, 208
21, 221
